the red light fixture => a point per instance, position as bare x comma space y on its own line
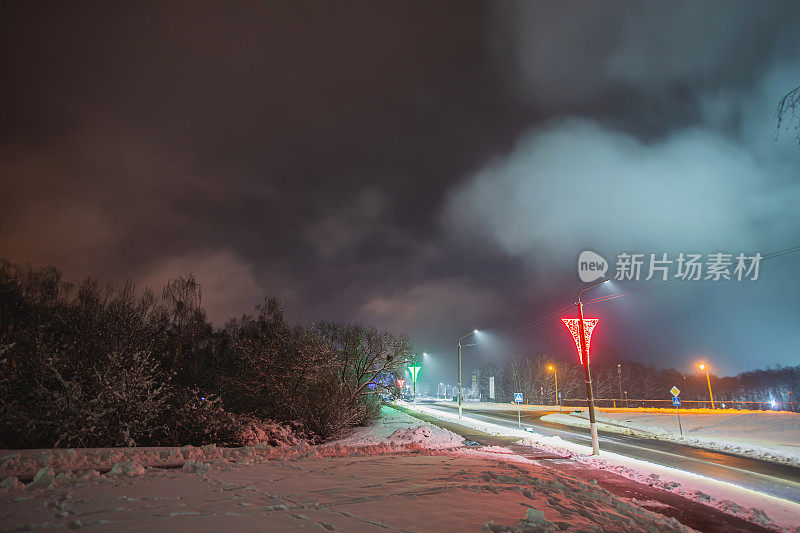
588, 327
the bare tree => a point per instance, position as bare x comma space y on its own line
183, 297
529, 375
277, 370
514, 377
367, 356
789, 111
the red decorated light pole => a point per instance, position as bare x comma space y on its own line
589, 392
582, 341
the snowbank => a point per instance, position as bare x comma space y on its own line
425, 480
427, 490
767, 435
745, 503
390, 434
399, 474
399, 428
54, 466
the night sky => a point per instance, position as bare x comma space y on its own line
427, 167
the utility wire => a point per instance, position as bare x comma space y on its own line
643, 289
782, 252
538, 320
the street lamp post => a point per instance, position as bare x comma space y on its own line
619, 373
459, 368
414, 371
555, 375
584, 350
702, 366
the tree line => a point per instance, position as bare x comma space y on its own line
90, 364
616, 379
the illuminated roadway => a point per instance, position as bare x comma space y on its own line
775, 479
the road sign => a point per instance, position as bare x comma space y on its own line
400, 383
414, 371
518, 401
676, 401
674, 390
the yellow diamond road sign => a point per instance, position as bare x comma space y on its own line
674, 390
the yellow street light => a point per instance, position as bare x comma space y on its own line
702, 366
555, 375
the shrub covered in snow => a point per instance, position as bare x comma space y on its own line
205, 421
97, 366
318, 377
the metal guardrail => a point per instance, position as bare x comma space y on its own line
690, 404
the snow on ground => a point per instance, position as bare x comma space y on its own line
370, 484
748, 504
397, 427
768, 435
398, 492
392, 431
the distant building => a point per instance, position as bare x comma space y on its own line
488, 381
423, 389
475, 391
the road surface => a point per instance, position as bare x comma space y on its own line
775, 479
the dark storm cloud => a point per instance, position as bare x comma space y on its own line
251, 130
412, 165
639, 63
718, 181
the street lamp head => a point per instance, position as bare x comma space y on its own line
550, 367
591, 287
475, 331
